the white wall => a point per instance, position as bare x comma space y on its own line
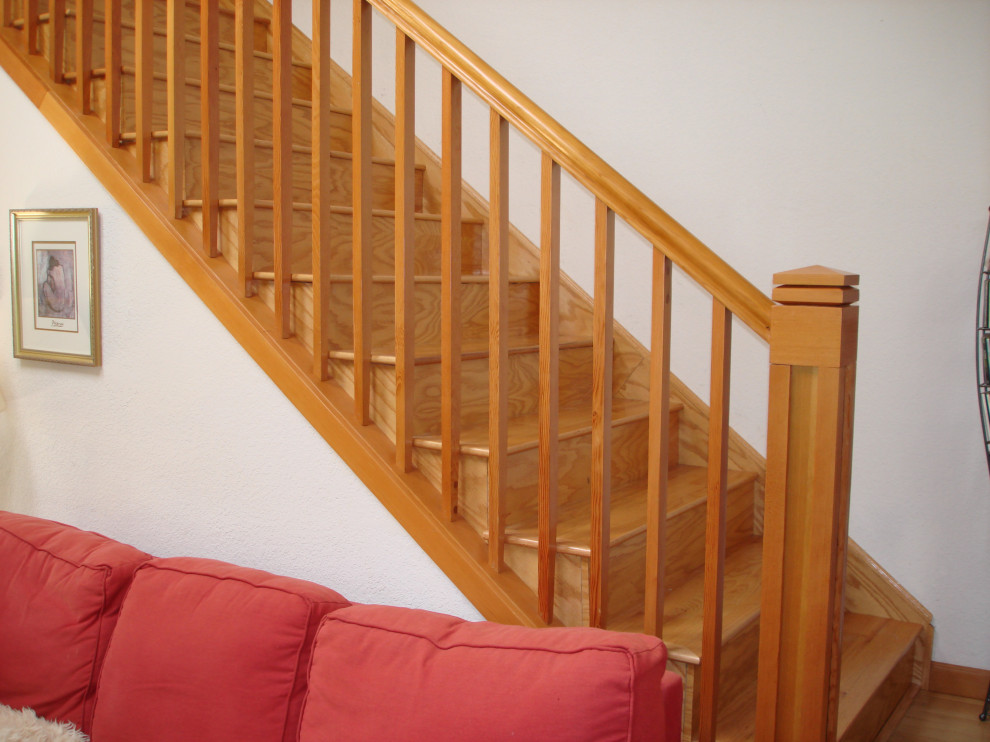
783, 134
179, 444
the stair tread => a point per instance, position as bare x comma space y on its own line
683, 606
471, 348
871, 647
524, 429
686, 487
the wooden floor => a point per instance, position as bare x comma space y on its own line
934, 717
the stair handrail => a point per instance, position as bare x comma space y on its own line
689, 253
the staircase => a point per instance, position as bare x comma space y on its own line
548, 462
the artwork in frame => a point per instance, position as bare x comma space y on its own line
55, 277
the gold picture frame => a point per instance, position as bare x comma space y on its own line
55, 285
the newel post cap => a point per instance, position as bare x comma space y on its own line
812, 322
815, 284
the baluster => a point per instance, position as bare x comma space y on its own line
718, 458
361, 154
84, 54
498, 338
56, 40
112, 61
601, 413
209, 55
405, 246
549, 397
244, 128
282, 161
321, 187
176, 82
144, 83
659, 448
31, 25
450, 295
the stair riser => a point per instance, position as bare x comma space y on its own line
426, 396
301, 114
523, 314
630, 443
382, 176
685, 549
426, 235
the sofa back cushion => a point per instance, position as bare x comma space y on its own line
60, 594
206, 650
383, 673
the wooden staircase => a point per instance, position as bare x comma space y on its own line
566, 463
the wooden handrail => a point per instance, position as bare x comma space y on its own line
716, 276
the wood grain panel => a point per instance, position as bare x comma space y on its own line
361, 172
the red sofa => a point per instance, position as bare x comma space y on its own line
132, 648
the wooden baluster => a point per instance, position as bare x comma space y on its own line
549, 396
144, 83
31, 25
405, 247
498, 338
320, 97
244, 129
282, 161
450, 295
209, 55
718, 459
361, 167
56, 40
809, 445
659, 445
112, 62
84, 54
601, 414
176, 77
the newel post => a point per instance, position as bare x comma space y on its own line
813, 333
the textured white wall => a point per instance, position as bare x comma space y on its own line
179, 444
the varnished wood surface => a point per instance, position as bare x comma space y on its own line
84, 54
113, 62
450, 351
282, 161
405, 247
209, 61
937, 717
244, 153
659, 444
549, 396
176, 64
498, 337
144, 64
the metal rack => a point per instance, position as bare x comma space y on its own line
983, 368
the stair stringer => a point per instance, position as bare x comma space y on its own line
410, 499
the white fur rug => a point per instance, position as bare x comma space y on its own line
24, 726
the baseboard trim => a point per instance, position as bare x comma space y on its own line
956, 680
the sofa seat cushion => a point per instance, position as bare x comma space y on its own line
384, 673
206, 650
60, 593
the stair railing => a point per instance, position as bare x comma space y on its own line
811, 324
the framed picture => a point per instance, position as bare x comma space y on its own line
55, 275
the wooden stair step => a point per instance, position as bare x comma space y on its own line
876, 674
523, 430
875, 681
686, 488
683, 608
